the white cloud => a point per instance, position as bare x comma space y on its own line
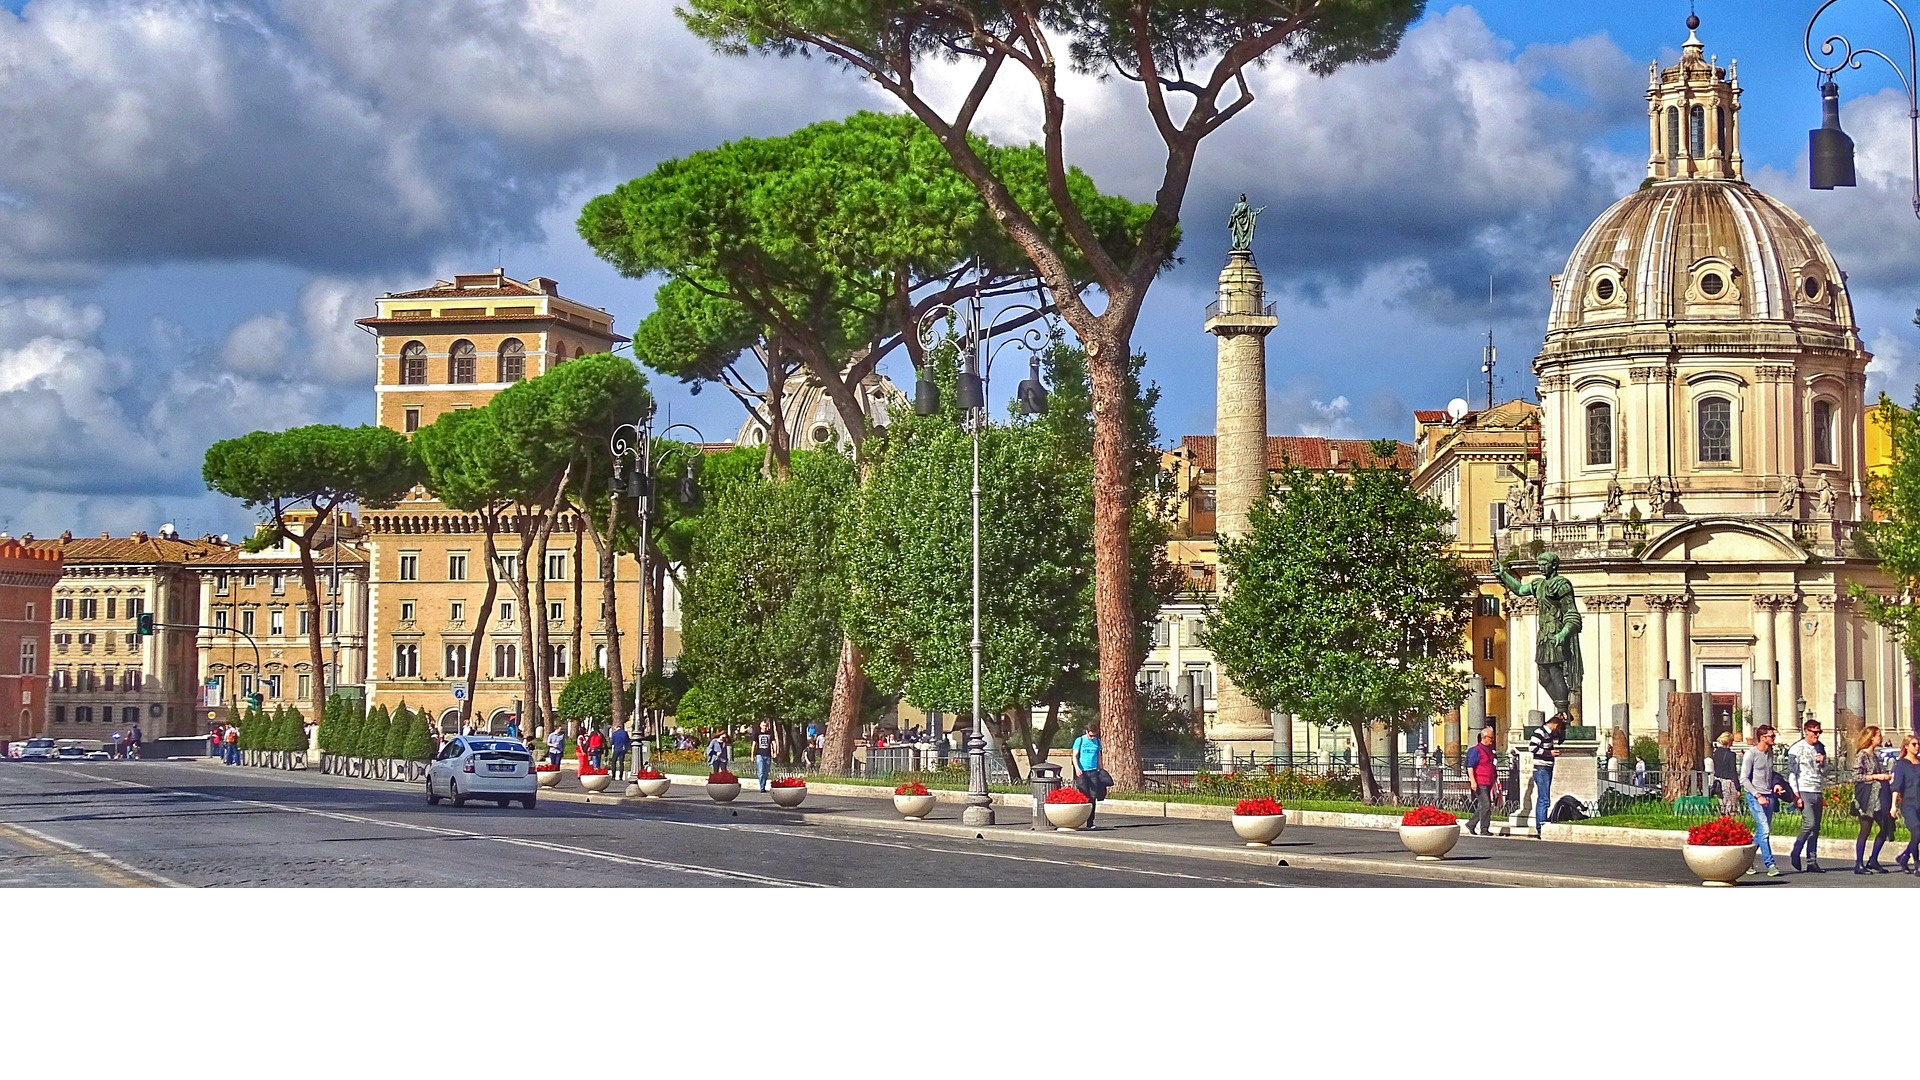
258, 346
1894, 371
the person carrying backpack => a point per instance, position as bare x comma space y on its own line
1088, 777
1483, 764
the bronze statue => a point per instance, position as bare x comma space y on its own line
1240, 222
1556, 652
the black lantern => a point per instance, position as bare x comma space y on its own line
1830, 149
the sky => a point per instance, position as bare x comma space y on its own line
198, 197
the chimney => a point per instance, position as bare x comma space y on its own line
546, 285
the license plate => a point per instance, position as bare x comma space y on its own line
499, 768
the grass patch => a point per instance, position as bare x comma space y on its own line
1332, 806
1832, 826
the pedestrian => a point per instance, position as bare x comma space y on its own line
596, 746
1762, 792
1725, 766
213, 741
513, 728
1640, 772
1905, 784
719, 753
133, 744
1807, 772
556, 742
1545, 747
1483, 765
763, 753
232, 741
1872, 802
1088, 777
622, 742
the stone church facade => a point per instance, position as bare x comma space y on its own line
1702, 389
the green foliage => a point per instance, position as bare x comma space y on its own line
399, 731
1347, 605
587, 699
1895, 542
657, 691
418, 743
316, 467
297, 731
1647, 749
762, 606
371, 738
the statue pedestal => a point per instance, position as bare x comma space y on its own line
1575, 773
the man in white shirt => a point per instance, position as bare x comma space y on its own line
1807, 772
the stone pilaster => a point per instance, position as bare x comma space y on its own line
1240, 320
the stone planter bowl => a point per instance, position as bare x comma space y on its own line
549, 778
788, 796
653, 789
596, 783
1430, 842
1259, 830
914, 807
723, 792
1067, 817
1719, 864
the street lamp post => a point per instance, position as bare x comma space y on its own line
639, 482
970, 395
1830, 162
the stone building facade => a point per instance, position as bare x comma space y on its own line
1702, 389
105, 676
454, 346
27, 579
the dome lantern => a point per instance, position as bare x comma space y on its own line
1693, 116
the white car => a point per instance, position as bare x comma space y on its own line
482, 767
35, 749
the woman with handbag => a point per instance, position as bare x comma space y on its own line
1872, 802
1906, 799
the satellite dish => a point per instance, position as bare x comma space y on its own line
1457, 408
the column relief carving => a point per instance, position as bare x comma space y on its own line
1668, 601
1651, 374
1775, 601
1605, 603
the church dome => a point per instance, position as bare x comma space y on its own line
1696, 243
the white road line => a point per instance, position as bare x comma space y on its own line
98, 856
544, 845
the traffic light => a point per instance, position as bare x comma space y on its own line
253, 701
145, 624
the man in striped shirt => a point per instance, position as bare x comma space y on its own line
1545, 746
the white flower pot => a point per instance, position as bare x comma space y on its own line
1067, 817
788, 796
653, 789
914, 807
723, 792
596, 783
1430, 842
1719, 864
1259, 830
548, 778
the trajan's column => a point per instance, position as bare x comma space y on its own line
1241, 320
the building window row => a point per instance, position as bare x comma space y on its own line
510, 363
1713, 431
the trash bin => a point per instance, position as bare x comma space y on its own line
1046, 780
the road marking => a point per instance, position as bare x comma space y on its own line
437, 830
98, 863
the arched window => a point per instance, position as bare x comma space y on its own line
1714, 417
1673, 136
413, 364
578, 352
406, 661
1697, 132
506, 661
1823, 448
1599, 433
460, 362
456, 665
1720, 121
513, 360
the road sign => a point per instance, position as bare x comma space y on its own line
459, 693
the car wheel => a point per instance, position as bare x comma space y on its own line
529, 801
453, 791
432, 799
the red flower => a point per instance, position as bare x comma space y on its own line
1261, 807
722, 776
588, 770
911, 788
1724, 832
1428, 815
789, 781
1067, 796
546, 766
649, 774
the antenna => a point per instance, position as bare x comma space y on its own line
1489, 355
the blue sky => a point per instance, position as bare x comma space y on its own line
197, 197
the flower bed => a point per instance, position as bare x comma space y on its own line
1428, 815
1066, 796
1261, 807
1722, 832
912, 788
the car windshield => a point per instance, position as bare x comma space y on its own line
40, 743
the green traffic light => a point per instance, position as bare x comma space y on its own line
145, 624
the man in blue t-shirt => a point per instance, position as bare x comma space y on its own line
1087, 774
622, 742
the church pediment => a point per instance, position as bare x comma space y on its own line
1724, 540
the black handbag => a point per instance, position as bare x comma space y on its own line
1866, 798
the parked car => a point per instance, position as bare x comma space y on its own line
482, 767
70, 753
37, 749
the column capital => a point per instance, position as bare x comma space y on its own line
1668, 601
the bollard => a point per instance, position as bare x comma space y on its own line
1046, 779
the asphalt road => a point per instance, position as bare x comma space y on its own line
154, 823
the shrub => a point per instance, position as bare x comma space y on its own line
296, 731
1066, 796
418, 745
372, 741
397, 731
1262, 807
1647, 749
1428, 815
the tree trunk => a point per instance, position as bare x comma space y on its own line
542, 631
1369, 787
610, 614
1112, 558
1393, 759
843, 720
1004, 726
310, 579
489, 523
1039, 749
656, 613
1683, 745
578, 640
530, 718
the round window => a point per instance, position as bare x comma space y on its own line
822, 433
1604, 289
1712, 285
1812, 285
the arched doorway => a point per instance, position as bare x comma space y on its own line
497, 721
450, 722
